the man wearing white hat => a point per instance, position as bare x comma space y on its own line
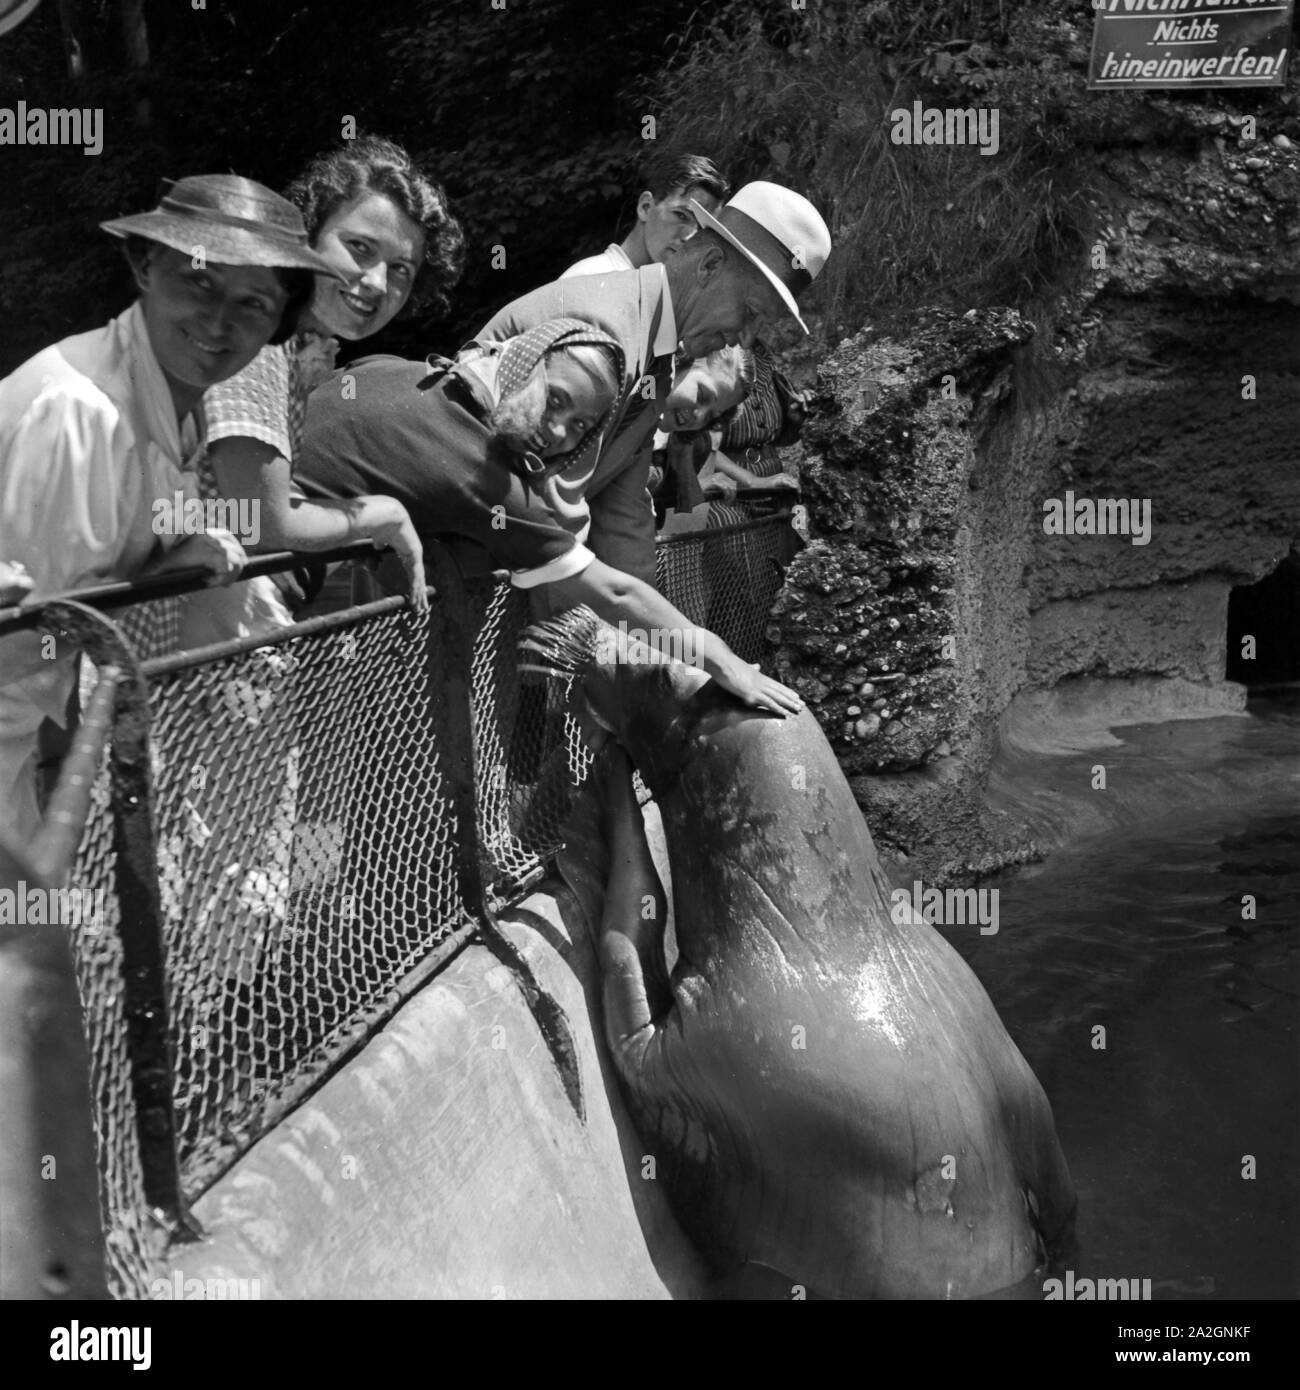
744, 269
778, 231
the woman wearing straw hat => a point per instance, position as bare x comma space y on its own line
96, 431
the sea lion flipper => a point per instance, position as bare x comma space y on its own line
636, 991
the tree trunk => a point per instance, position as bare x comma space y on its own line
135, 38
73, 48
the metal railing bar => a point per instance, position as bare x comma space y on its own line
237, 646
55, 845
123, 592
732, 528
144, 969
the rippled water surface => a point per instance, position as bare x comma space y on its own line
1139, 931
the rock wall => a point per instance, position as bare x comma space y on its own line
1165, 372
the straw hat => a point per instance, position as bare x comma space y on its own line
779, 231
13, 12
232, 220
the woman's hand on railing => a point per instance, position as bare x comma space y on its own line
215, 550
389, 525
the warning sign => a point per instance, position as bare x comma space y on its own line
1190, 43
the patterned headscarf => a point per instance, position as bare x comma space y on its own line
519, 360
522, 353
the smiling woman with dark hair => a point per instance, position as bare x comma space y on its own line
371, 165
386, 230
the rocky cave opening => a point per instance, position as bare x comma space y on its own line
1269, 612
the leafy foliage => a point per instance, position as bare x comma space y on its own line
522, 112
804, 98
533, 116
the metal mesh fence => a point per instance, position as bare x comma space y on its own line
725, 579
529, 757
305, 842
133, 1240
305, 848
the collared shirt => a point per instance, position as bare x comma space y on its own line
267, 401
89, 442
613, 257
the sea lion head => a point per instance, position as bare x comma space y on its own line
632, 690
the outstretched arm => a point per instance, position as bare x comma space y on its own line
249, 468
618, 597
738, 473
631, 946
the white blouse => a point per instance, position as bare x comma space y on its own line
88, 442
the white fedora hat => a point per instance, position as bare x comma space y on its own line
778, 230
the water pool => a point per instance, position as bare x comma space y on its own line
1139, 930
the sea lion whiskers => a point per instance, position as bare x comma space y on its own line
562, 648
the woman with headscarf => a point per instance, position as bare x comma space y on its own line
428, 441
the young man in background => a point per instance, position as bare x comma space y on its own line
663, 213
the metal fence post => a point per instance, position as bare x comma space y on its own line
51, 1232
450, 667
452, 634
144, 977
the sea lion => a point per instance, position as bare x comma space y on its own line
828, 1094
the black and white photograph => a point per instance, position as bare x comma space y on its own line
650, 653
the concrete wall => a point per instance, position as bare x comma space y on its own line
445, 1160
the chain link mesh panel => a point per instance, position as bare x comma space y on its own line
304, 846
305, 841
529, 754
305, 856
726, 578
